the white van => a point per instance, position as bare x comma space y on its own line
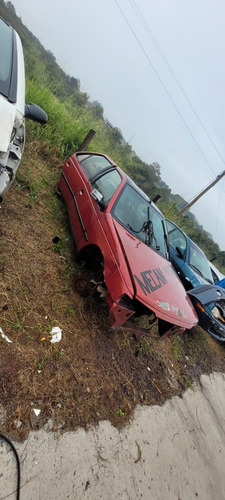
12, 105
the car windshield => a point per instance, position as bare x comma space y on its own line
176, 237
6, 37
199, 263
140, 218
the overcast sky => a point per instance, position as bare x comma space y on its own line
145, 61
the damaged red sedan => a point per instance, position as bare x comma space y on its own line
119, 230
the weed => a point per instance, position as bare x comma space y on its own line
3, 258
120, 412
56, 207
175, 352
40, 364
144, 346
43, 183
61, 247
125, 341
188, 381
17, 326
70, 310
59, 353
177, 348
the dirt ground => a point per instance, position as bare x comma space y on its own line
93, 373
175, 452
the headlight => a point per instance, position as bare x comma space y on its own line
216, 312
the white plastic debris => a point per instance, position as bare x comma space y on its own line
56, 334
37, 411
17, 423
5, 337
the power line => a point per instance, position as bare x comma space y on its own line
148, 30
163, 85
217, 212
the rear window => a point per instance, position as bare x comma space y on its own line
93, 164
6, 55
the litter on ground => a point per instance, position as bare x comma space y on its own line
56, 334
5, 336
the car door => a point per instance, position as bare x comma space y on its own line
83, 174
82, 211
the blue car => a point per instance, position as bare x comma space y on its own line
221, 283
195, 273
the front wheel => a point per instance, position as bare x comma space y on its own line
82, 286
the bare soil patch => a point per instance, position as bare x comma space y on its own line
93, 373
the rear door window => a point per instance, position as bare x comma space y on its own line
107, 184
93, 164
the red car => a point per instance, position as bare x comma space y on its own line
118, 229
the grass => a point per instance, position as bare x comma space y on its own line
188, 381
177, 347
63, 133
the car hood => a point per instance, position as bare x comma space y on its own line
7, 119
155, 282
206, 294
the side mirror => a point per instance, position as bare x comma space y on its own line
98, 197
180, 252
35, 113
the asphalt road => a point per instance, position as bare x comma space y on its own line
173, 452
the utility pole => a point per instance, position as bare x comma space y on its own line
86, 140
217, 179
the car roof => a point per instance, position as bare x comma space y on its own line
128, 179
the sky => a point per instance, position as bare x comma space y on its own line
158, 70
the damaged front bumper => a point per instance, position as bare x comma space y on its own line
10, 160
12, 139
209, 303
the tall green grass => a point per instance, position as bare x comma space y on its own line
64, 130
